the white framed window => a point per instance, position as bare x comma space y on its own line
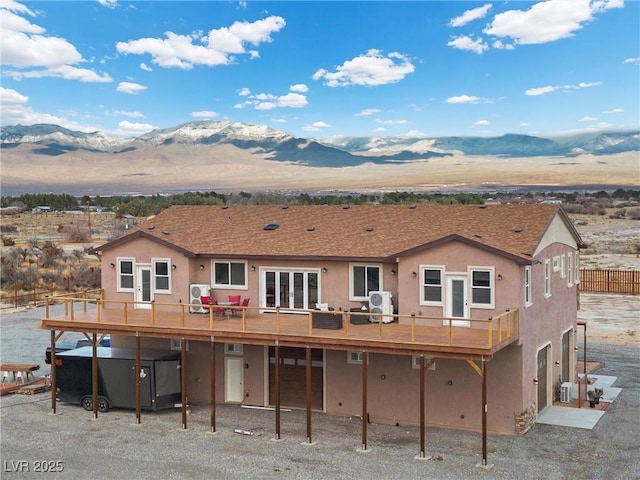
176, 344
354, 357
576, 262
569, 270
125, 274
365, 278
229, 274
482, 291
547, 278
527, 286
432, 278
161, 275
415, 362
233, 348
556, 263
563, 271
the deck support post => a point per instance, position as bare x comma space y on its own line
308, 395
54, 386
94, 375
277, 380
365, 362
484, 413
183, 382
213, 385
136, 377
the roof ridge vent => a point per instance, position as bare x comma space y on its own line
369, 228
518, 229
346, 206
310, 228
478, 235
151, 227
270, 226
284, 206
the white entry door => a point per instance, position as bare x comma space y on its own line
233, 380
144, 293
457, 305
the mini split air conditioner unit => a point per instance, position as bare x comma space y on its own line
380, 305
565, 392
197, 290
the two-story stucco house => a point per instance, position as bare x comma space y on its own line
458, 316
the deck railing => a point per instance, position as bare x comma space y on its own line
404, 329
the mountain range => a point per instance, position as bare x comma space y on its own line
268, 143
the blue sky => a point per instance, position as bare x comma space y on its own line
324, 69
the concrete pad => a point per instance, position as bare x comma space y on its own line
586, 418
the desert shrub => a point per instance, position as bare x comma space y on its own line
618, 213
602, 211
76, 234
8, 228
633, 213
8, 241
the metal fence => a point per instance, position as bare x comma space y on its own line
610, 281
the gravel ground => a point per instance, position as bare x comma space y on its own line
114, 447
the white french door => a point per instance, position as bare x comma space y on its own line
144, 292
289, 289
457, 301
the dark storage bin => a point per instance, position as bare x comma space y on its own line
329, 320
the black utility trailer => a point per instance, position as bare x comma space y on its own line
159, 374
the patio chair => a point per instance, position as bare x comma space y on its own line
206, 301
235, 299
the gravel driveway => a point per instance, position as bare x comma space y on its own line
114, 447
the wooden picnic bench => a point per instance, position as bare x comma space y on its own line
14, 368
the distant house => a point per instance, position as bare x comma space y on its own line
41, 209
475, 298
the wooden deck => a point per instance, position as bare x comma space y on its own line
409, 335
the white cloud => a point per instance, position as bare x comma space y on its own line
370, 69
633, 61
299, 88
279, 120
108, 3
552, 88
465, 42
205, 114
131, 88
129, 128
470, 15
268, 101
481, 123
145, 67
588, 119
366, 112
391, 122
615, 110
467, 99
217, 47
316, 126
379, 130
540, 90
125, 113
547, 21
415, 134
16, 111
25, 47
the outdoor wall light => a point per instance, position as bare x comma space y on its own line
393, 272
575, 349
201, 266
557, 363
324, 270
112, 265
253, 268
535, 381
499, 277
414, 274
173, 267
450, 382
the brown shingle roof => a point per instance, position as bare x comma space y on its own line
356, 232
